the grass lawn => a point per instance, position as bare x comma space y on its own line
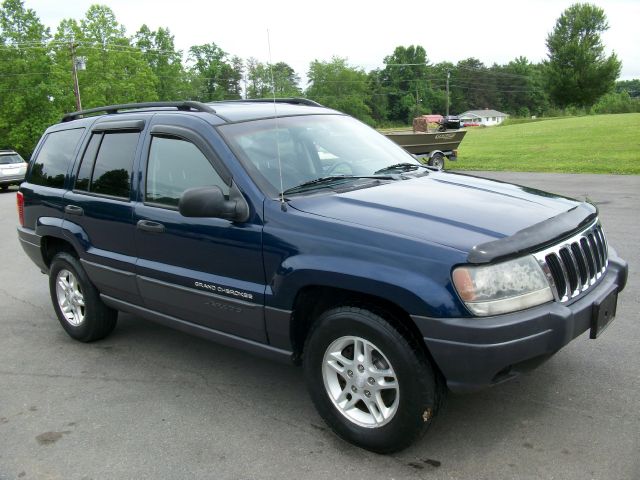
591, 144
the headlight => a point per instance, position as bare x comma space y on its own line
503, 287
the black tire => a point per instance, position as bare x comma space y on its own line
437, 161
4, 187
420, 390
99, 320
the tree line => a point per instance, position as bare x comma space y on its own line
36, 86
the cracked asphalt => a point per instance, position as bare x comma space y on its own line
152, 403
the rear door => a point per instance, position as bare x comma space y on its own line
99, 210
206, 271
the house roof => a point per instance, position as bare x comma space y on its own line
483, 113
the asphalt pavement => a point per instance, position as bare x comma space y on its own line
152, 403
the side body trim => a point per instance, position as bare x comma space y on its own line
217, 336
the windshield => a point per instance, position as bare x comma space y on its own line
311, 147
11, 158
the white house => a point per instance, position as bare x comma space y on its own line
483, 117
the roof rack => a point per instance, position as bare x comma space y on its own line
186, 106
293, 101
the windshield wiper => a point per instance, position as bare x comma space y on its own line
403, 167
333, 178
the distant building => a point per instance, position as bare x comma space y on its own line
483, 117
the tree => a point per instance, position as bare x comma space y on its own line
116, 71
337, 85
260, 84
520, 88
578, 71
632, 87
406, 80
473, 86
25, 66
158, 50
214, 75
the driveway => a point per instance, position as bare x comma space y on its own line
150, 402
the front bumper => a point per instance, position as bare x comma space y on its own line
473, 353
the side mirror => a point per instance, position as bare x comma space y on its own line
210, 202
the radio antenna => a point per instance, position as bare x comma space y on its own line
283, 205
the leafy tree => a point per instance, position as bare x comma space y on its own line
632, 87
214, 75
340, 86
286, 80
25, 106
158, 49
520, 86
260, 84
116, 71
578, 72
473, 86
405, 78
617, 102
378, 101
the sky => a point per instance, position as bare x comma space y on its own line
494, 31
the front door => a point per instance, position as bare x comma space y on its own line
206, 271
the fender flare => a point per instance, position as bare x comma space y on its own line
405, 289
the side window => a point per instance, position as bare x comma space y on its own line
174, 166
88, 160
50, 168
107, 163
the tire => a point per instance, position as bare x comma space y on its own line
4, 187
437, 161
383, 422
77, 301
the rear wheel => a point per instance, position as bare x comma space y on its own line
77, 302
371, 384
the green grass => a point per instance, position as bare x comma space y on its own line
590, 144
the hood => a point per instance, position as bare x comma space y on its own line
455, 210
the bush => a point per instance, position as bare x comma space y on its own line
617, 103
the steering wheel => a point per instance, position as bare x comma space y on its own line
335, 166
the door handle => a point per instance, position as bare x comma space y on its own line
73, 210
149, 226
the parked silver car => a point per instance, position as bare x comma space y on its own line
13, 168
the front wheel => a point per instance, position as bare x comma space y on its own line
77, 302
371, 384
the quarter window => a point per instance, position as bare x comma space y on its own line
176, 165
50, 168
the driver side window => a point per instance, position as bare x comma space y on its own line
174, 166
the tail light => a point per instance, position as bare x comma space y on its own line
20, 201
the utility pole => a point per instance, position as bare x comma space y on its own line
448, 75
74, 75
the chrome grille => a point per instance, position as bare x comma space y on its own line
575, 264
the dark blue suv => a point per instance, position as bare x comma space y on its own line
296, 232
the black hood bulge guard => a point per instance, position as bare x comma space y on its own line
537, 236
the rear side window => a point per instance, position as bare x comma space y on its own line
10, 159
54, 158
107, 163
176, 165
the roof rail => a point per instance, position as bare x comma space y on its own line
293, 101
185, 105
